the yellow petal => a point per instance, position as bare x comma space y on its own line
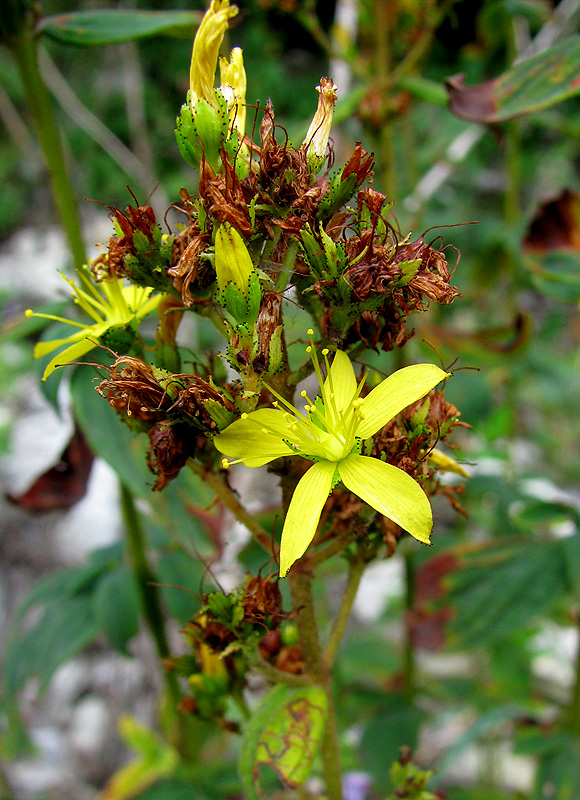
233, 263
390, 491
304, 512
395, 393
206, 47
447, 464
342, 380
257, 438
72, 353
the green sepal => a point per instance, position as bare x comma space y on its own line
220, 415
420, 415
120, 338
202, 131
148, 267
243, 309
408, 270
338, 194
313, 253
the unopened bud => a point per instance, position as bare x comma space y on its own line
238, 282
206, 48
233, 88
316, 140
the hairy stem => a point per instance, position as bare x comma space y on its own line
357, 567
302, 601
150, 603
409, 668
39, 104
216, 481
573, 712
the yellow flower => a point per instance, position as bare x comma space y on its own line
115, 308
206, 47
329, 432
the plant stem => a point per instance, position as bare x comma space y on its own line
279, 676
150, 600
382, 17
573, 712
302, 601
39, 103
357, 567
419, 49
220, 488
409, 669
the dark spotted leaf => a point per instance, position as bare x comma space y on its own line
284, 734
532, 84
62, 485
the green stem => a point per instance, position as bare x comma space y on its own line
220, 488
419, 49
409, 668
150, 600
357, 567
382, 17
573, 712
287, 267
279, 676
302, 601
39, 103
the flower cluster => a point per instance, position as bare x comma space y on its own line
268, 217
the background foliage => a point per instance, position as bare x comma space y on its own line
495, 579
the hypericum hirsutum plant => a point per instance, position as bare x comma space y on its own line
271, 234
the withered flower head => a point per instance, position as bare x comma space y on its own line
148, 394
171, 444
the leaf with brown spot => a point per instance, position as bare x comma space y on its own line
556, 224
284, 733
530, 85
64, 484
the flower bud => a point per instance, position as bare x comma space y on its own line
205, 52
210, 116
239, 286
316, 140
233, 88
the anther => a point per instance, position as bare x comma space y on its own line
310, 332
244, 416
308, 349
225, 463
326, 351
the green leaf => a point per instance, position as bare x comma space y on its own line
155, 760
535, 83
283, 733
557, 275
486, 723
559, 772
570, 548
172, 790
499, 593
538, 513
108, 436
90, 28
182, 575
395, 724
64, 629
116, 608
